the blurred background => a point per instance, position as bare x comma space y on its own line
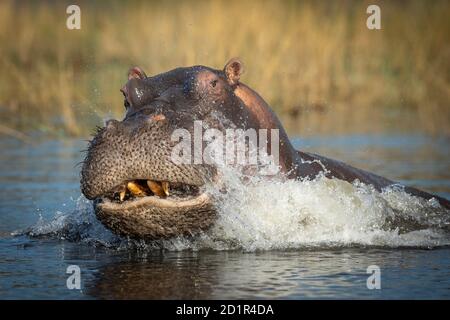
315, 62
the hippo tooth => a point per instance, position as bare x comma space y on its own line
136, 189
122, 195
165, 186
156, 188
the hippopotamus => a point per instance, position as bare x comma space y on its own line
129, 172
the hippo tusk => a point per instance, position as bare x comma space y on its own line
122, 195
136, 189
165, 187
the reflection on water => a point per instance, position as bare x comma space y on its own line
42, 179
270, 275
38, 270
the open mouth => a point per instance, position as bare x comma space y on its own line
139, 191
149, 209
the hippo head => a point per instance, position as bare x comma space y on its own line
138, 189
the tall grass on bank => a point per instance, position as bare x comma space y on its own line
315, 62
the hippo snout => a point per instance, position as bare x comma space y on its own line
137, 189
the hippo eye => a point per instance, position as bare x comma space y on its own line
213, 83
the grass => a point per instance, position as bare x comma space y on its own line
315, 62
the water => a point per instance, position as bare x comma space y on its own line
294, 240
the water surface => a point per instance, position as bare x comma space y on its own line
255, 257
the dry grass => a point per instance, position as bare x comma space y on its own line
315, 62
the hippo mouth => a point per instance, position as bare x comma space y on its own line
150, 209
151, 191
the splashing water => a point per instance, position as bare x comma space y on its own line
327, 212
263, 215
323, 212
80, 225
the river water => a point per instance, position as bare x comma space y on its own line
293, 240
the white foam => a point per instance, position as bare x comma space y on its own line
264, 215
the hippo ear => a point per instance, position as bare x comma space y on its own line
233, 70
136, 73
